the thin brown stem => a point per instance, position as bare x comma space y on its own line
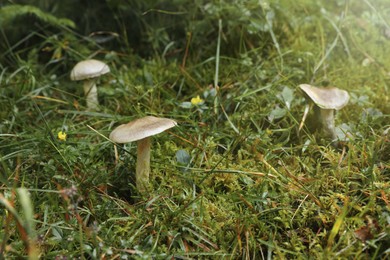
327, 121
143, 164
90, 92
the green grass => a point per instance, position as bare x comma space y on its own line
235, 179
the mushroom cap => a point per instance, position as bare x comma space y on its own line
326, 98
87, 69
140, 129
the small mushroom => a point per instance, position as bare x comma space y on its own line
89, 71
140, 130
327, 100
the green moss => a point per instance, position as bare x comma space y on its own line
252, 184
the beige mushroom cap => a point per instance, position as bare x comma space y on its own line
140, 129
326, 98
88, 69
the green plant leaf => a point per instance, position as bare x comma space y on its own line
10, 12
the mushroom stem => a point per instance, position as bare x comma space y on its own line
327, 121
143, 164
90, 92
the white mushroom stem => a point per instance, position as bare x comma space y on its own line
327, 121
90, 92
143, 164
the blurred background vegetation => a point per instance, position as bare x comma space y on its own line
145, 28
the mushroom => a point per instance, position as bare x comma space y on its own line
327, 100
140, 130
89, 71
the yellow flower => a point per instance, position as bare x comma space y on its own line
196, 100
61, 135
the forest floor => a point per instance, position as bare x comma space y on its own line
242, 175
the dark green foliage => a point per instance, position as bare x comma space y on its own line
9, 13
150, 27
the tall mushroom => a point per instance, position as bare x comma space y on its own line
89, 71
141, 130
327, 100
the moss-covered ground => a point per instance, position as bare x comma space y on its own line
238, 178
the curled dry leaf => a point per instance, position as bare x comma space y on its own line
367, 231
